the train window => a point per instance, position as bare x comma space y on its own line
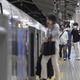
32, 53
37, 44
1, 9
14, 48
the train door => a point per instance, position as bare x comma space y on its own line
38, 42
5, 49
22, 54
32, 53
14, 48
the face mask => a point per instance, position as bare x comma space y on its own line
75, 26
68, 28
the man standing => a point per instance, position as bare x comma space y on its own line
75, 35
63, 42
69, 40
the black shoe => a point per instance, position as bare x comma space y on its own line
64, 59
69, 58
43, 79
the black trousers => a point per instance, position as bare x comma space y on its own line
69, 49
64, 48
49, 67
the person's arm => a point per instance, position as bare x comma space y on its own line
67, 36
46, 37
72, 36
55, 31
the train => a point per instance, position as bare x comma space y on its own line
20, 41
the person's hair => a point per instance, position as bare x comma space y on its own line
52, 17
61, 25
67, 26
75, 24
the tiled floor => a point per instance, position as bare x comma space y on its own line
70, 68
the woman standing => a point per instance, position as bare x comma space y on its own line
53, 34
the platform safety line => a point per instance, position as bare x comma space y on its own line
53, 77
61, 73
59, 62
61, 76
37, 77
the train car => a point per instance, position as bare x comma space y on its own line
20, 45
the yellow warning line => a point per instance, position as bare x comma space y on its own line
59, 62
53, 77
61, 75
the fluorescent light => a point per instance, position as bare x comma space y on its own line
24, 20
15, 16
2, 30
71, 21
78, 4
6, 12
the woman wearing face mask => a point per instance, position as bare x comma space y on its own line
75, 36
53, 34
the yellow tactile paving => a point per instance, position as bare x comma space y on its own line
37, 77
53, 77
59, 62
61, 75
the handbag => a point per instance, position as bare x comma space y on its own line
48, 48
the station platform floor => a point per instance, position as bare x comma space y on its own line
69, 69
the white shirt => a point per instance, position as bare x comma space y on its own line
54, 31
63, 38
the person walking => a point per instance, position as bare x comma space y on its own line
53, 34
75, 35
69, 41
63, 42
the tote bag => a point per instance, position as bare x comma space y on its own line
48, 48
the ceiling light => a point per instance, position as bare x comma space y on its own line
15, 16
6, 12
78, 4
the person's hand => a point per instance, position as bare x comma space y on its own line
45, 40
72, 44
50, 38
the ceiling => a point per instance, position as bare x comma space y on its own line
39, 8
66, 7
30, 8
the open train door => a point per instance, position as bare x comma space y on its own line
38, 42
31, 53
